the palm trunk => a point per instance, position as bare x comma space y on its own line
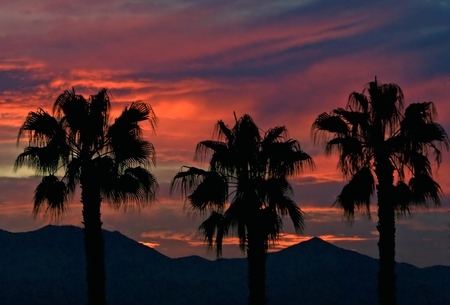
386, 229
93, 240
256, 257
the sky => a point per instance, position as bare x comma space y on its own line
195, 62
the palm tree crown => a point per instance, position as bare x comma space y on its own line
379, 143
245, 189
108, 161
374, 132
79, 136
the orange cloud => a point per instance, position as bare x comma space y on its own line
20, 64
150, 244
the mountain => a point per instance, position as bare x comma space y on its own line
47, 266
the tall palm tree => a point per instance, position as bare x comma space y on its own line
378, 143
108, 161
245, 191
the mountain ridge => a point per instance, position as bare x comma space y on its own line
41, 267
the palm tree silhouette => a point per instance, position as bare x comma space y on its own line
108, 161
377, 143
251, 171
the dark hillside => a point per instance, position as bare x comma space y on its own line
47, 267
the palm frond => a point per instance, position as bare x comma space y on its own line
274, 134
50, 197
421, 132
125, 135
212, 192
98, 116
356, 194
223, 131
386, 102
420, 113
326, 124
246, 135
419, 163
47, 143
224, 162
213, 228
74, 108
237, 216
269, 224
133, 114
425, 190
43, 159
136, 187
402, 196
204, 148
356, 121
73, 173
287, 206
131, 152
277, 187
187, 179
349, 145
352, 154
99, 107
358, 102
286, 158
40, 128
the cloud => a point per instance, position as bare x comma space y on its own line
150, 244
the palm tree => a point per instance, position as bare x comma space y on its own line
251, 171
377, 143
108, 161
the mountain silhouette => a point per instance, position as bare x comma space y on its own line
47, 266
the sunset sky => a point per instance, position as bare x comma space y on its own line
195, 62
